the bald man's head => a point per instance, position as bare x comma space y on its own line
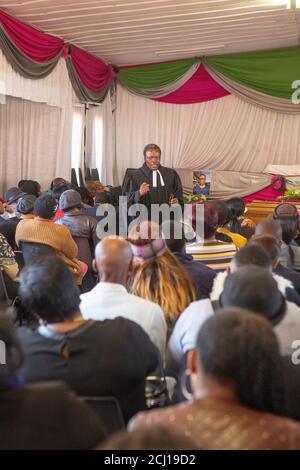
113, 258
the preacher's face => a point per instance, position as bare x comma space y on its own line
152, 159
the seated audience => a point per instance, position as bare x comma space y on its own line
110, 299
43, 230
79, 224
273, 227
95, 358
214, 253
273, 247
25, 207
11, 198
261, 295
8, 227
255, 255
249, 287
203, 276
237, 389
58, 187
101, 199
40, 417
157, 275
237, 222
94, 187
86, 197
223, 233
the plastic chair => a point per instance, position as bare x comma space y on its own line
109, 411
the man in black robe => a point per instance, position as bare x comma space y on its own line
154, 183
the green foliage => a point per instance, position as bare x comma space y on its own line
194, 197
292, 193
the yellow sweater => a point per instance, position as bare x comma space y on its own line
237, 239
57, 236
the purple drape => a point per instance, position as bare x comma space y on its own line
201, 87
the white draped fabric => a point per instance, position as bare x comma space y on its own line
100, 140
225, 134
55, 90
35, 142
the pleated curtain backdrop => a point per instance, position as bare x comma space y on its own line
35, 142
224, 134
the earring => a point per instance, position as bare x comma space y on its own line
186, 386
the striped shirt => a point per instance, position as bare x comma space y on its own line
213, 253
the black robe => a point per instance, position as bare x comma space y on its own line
160, 194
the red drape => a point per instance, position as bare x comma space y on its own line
37, 46
201, 87
266, 194
93, 73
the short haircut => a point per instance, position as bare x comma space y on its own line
269, 227
59, 186
269, 243
47, 289
255, 289
31, 187
254, 255
236, 346
151, 147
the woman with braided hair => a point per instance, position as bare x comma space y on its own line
237, 388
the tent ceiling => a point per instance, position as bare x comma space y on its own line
140, 31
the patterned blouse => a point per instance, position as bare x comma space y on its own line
7, 255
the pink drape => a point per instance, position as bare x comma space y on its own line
201, 87
93, 73
266, 194
36, 45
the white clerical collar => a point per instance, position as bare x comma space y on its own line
154, 178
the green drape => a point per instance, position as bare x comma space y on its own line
154, 75
269, 72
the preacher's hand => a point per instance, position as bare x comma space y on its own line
174, 201
144, 189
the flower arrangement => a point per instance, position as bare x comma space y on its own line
292, 193
190, 198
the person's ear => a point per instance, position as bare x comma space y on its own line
228, 270
275, 264
192, 361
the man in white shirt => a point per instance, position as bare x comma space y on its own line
252, 288
110, 299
